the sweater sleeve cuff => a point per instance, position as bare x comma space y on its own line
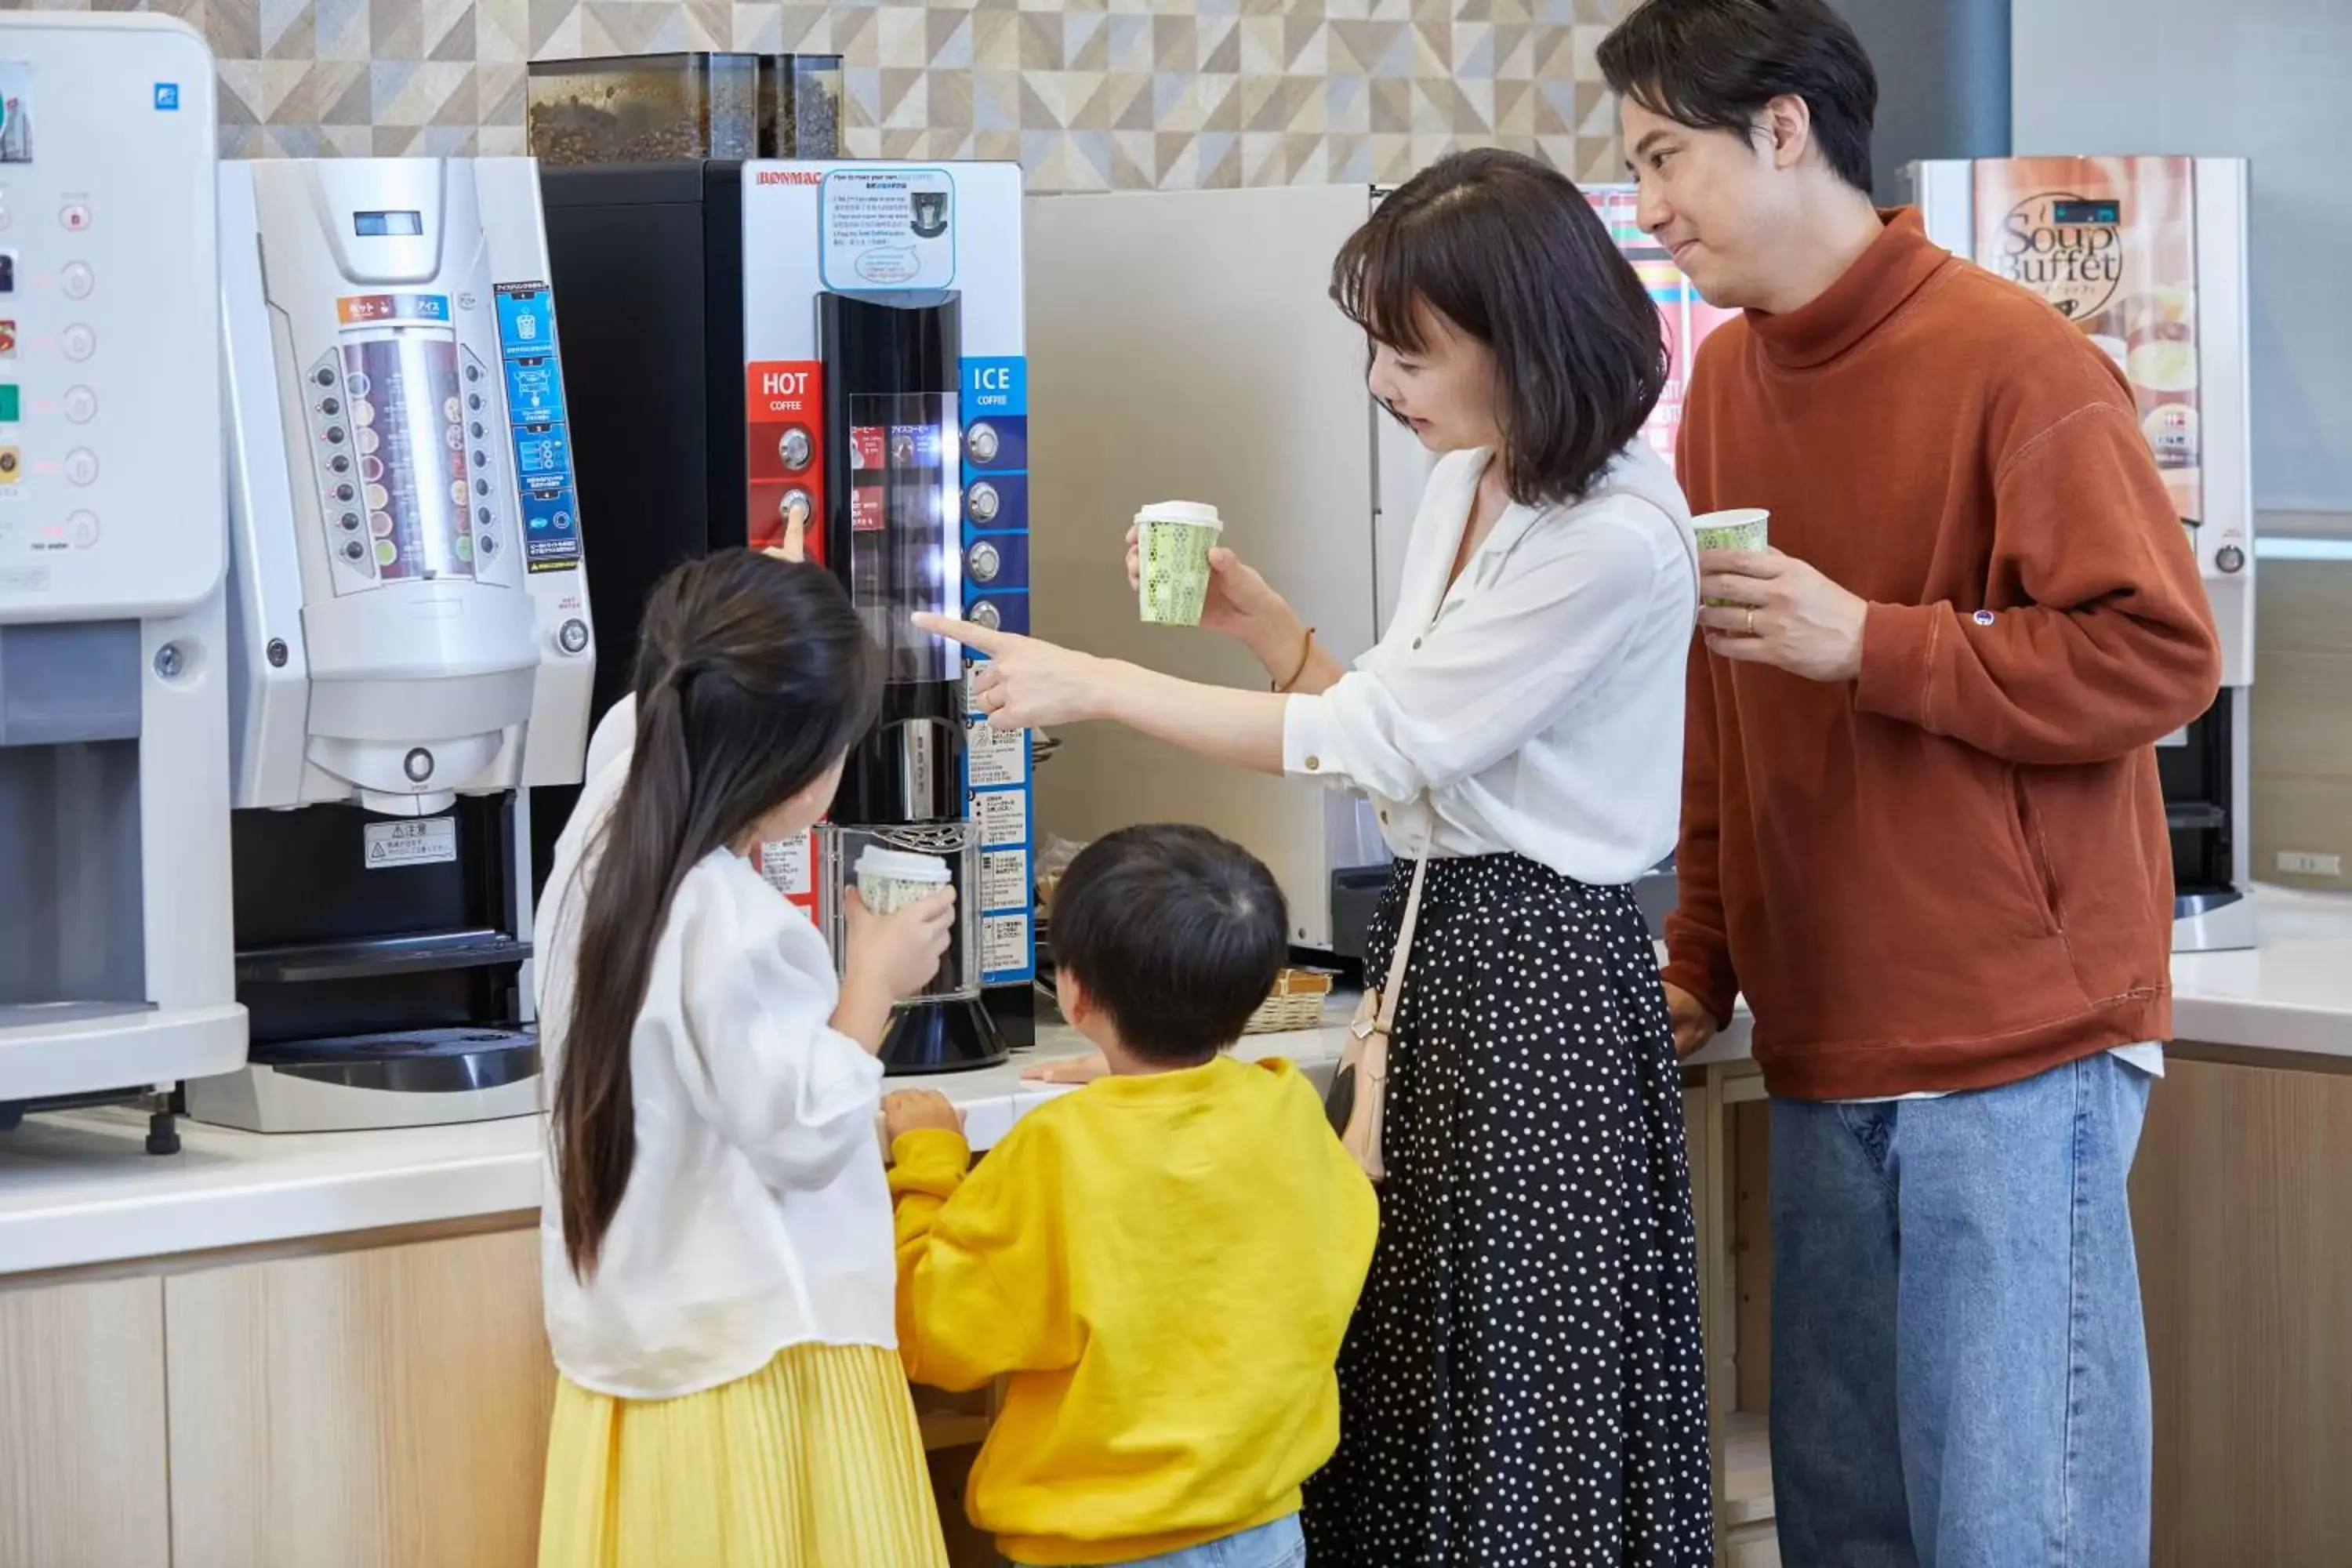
1898, 650
930, 1160
1307, 736
1708, 977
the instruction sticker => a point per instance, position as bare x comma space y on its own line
431, 841
1004, 944
888, 228
788, 866
997, 758
1004, 879
1003, 818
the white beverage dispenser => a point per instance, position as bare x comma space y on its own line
115, 973
410, 646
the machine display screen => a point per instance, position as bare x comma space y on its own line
407, 425
904, 484
2096, 214
378, 225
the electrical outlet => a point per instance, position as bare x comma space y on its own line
2302, 863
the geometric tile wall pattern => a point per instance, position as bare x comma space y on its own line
1084, 94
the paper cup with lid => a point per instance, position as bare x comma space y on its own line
890, 879
1743, 528
1172, 539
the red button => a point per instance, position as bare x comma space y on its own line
75, 217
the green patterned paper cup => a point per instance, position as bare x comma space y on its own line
1745, 528
1174, 539
890, 879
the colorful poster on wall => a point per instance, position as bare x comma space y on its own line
1685, 318
2112, 244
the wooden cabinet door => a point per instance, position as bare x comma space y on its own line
380, 1407
2242, 1207
83, 1482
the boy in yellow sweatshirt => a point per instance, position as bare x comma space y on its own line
1162, 1264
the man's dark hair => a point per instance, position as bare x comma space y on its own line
1508, 250
1713, 65
1176, 933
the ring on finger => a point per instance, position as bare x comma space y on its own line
1751, 620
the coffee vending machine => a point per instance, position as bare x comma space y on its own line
410, 646
844, 344
116, 979
2147, 256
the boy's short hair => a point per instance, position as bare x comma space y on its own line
1177, 935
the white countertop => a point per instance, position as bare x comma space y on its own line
2292, 992
79, 1187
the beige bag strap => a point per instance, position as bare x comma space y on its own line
1386, 1017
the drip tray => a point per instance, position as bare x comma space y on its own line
412, 1061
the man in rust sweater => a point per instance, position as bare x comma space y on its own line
1921, 824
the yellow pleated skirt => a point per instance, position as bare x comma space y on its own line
813, 1461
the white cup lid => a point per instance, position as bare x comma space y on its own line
1198, 514
901, 865
1739, 517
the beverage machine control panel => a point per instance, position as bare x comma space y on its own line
110, 472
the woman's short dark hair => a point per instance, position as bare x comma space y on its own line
1713, 65
1508, 250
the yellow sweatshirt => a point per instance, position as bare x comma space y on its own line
1165, 1267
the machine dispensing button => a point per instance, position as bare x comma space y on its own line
985, 614
475, 431
1314, 764
481, 459
983, 441
81, 466
474, 401
344, 492
487, 543
334, 435
473, 372
481, 487
326, 376
338, 464
562, 520
983, 503
574, 636
74, 216
350, 522
985, 562
354, 551
2230, 558
417, 765
83, 526
482, 516
331, 405
78, 341
796, 449
76, 279
81, 404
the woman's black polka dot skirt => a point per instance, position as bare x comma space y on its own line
1523, 1385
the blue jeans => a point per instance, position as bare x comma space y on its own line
1959, 1372
1282, 1544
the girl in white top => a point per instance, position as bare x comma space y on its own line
717, 1249
1522, 1381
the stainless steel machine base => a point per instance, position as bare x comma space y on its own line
429, 1079
2213, 922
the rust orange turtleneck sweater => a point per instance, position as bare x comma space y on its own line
1953, 872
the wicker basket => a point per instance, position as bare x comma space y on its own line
1297, 1004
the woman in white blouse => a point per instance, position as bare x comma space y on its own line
1524, 1382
